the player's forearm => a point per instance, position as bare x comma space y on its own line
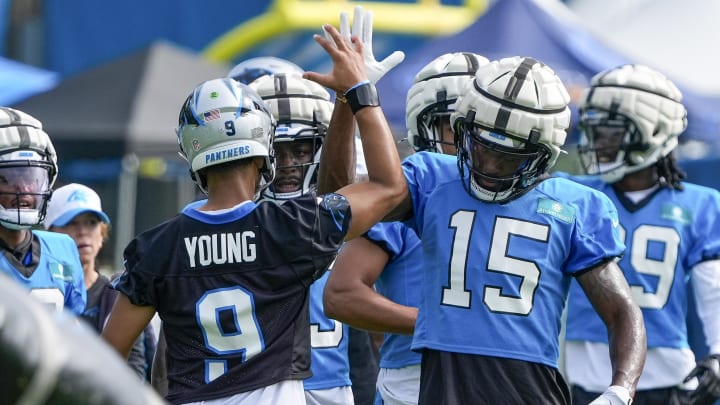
381, 155
609, 293
337, 163
628, 347
386, 186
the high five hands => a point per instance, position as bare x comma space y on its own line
362, 28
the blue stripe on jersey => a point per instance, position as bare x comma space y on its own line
233, 214
663, 245
496, 275
400, 281
330, 363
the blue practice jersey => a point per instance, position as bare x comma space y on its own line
58, 280
232, 289
329, 340
666, 235
496, 276
400, 282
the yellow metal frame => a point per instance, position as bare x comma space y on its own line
424, 17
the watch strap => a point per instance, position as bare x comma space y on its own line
364, 95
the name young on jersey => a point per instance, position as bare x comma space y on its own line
221, 248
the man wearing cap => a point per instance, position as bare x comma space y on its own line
76, 210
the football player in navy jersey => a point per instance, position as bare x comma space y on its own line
376, 279
501, 242
302, 110
229, 277
45, 263
631, 118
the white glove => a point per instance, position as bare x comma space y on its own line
362, 28
614, 395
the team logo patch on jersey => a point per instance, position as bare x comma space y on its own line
61, 272
555, 209
675, 213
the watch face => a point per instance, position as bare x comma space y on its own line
363, 96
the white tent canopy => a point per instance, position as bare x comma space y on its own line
681, 39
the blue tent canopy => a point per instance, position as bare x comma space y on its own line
19, 81
545, 30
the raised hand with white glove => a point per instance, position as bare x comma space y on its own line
614, 395
362, 28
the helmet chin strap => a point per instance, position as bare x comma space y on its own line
488, 195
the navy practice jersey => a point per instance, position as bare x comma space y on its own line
496, 276
400, 282
666, 235
329, 340
58, 281
231, 289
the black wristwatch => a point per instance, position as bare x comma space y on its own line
364, 95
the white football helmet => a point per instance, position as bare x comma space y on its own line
433, 94
631, 117
224, 120
302, 110
510, 123
28, 169
249, 70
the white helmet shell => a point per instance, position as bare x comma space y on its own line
435, 90
523, 100
25, 146
302, 110
650, 101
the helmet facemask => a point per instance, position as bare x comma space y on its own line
498, 167
631, 117
302, 109
510, 124
607, 143
430, 125
25, 188
301, 152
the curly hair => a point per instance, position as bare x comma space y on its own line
670, 172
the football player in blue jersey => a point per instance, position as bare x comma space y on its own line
230, 277
631, 118
501, 242
375, 283
46, 263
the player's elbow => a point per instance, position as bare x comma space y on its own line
336, 302
395, 192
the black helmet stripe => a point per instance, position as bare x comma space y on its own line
502, 118
20, 127
471, 62
283, 103
516, 82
